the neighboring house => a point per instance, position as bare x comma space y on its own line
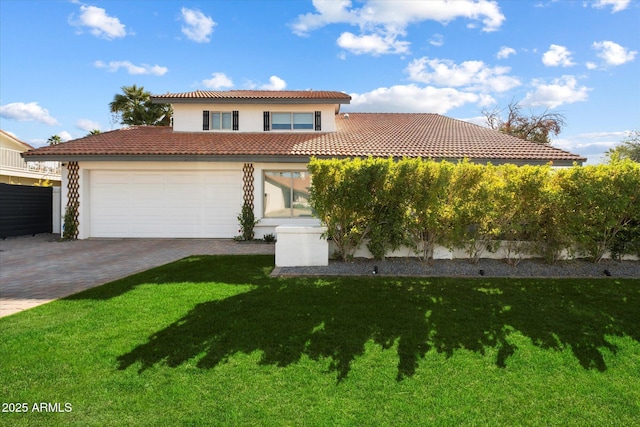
15, 170
234, 147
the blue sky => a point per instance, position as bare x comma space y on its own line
61, 62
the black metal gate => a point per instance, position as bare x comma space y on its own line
25, 210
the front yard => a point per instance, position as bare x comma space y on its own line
215, 341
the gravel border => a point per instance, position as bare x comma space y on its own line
412, 267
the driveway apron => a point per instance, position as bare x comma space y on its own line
40, 269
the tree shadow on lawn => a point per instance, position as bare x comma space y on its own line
334, 318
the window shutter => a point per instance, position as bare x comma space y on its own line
318, 117
205, 120
265, 121
236, 124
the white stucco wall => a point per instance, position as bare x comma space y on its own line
301, 246
265, 226
188, 117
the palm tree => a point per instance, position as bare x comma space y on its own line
54, 140
134, 107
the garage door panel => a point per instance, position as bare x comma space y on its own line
167, 204
109, 178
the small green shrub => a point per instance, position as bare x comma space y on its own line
247, 221
269, 238
70, 227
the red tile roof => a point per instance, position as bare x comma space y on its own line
359, 134
239, 95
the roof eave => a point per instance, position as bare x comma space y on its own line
170, 158
278, 101
268, 158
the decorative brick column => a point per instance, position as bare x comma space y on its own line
73, 194
247, 186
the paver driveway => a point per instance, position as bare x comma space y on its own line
36, 270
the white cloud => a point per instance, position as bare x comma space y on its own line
329, 12
593, 145
563, 90
99, 23
485, 100
617, 5
382, 22
505, 52
477, 120
473, 75
557, 56
275, 83
591, 65
218, 81
437, 40
411, 98
612, 53
27, 112
398, 14
87, 125
65, 136
374, 44
132, 69
198, 26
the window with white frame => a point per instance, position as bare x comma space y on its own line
289, 121
286, 194
292, 121
220, 120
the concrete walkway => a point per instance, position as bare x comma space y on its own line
40, 269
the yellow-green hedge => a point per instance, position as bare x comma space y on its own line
422, 203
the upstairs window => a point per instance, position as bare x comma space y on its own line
292, 121
220, 120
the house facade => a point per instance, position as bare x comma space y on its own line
15, 170
234, 147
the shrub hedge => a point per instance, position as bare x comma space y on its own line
423, 203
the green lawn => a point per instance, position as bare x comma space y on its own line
215, 341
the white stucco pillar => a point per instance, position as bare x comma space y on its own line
299, 246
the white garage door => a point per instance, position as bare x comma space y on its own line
165, 203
